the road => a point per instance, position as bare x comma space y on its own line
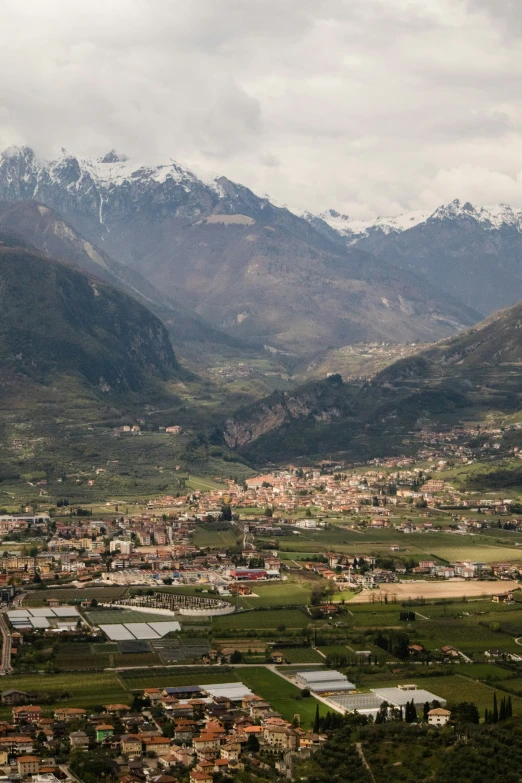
360, 751
5, 666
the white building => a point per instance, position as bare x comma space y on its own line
124, 547
438, 716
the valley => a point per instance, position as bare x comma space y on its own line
253, 476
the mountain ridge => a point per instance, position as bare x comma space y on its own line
470, 376
250, 268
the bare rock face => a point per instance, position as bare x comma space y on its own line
319, 402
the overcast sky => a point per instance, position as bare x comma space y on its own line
367, 106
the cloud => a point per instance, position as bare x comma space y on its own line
368, 106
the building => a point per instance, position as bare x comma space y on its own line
200, 777
28, 765
130, 745
438, 716
104, 730
323, 681
159, 745
250, 574
280, 737
69, 713
13, 696
28, 714
124, 547
79, 739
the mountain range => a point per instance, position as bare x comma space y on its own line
472, 253
105, 267
252, 270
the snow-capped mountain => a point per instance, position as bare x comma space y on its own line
252, 268
492, 217
94, 191
473, 253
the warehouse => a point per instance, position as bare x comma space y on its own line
369, 703
323, 681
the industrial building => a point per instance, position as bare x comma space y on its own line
369, 703
323, 681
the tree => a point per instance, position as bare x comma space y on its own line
94, 603
426, 710
382, 715
316, 720
495, 708
236, 657
316, 595
465, 712
410, 715
252, 743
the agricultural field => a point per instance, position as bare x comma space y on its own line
336, 649
513, 685
487, 672
300, 654
284, 697
345, 595
71, 595
280, 594
71, 656
203, 483
478, 552
442, 547
459, 688
84, 690
215, 539
136, 679
289, 618
111, 616
433, 590
468, 635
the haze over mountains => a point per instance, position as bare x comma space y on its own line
251, 269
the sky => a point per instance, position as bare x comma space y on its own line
370, 107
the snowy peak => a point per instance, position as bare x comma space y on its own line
495, 216
492, 217
355, 228
104, 173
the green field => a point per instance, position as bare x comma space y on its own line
111, 616
278, 594
85, 690
444, 547
336, 649
270, 619
459, 688
465, 634
203, 483
300, 655
281, 694
70, 595
214, 539
171, 678
479, 552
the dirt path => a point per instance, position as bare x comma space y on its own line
360, 751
